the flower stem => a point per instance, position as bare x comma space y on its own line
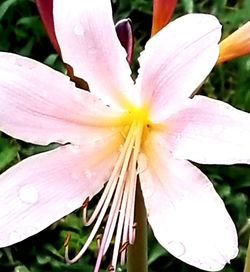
138, 252
247, 262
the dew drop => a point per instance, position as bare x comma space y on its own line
29, 230
78, 29
28, 194
176, 248
88, 174
142, 163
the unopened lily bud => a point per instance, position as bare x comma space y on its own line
125, 35
45, 8
162, 13
235, 45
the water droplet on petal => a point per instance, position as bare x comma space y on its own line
78, 29
28, 194
21, 234
176, 248
88, 174
30, 230
142, 163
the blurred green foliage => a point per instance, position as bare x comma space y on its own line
21, 32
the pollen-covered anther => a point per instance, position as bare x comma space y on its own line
98, 240
85, 203
67, 239
110, 268
124, 247
134, 225
116, 203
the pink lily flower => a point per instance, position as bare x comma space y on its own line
120, 131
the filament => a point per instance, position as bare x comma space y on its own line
119, 195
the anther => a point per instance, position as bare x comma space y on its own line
67, 239
134, 225
85, 203
98, 239
124, 246
110, 268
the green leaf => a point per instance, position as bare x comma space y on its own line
21, 268
5, 6
8, 152
188, 5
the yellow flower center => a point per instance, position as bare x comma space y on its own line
137, 117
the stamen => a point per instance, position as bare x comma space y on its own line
67, 239
113, 176
109, 228
128, 229
109, 188
85, 203
129, 185
124, 247
110, 268
103, 204
114, 211
122, 227
134, 225
96, 226
98, 240
120, 193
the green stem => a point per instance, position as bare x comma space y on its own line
138, 253
247, 262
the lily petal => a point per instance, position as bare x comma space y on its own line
191, 221
47, 106
89, 43
43, 188
177, 60
209, 131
